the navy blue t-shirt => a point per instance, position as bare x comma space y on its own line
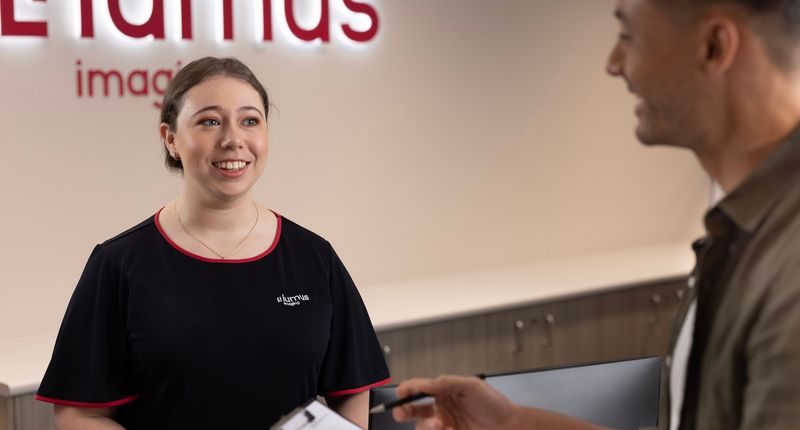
179, 341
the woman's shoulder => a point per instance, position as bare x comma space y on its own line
133, 232
299, 235
139, 233
114, 251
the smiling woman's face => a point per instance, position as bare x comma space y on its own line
221, 138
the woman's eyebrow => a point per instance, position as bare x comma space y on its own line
252, 108
218, 108
207, 108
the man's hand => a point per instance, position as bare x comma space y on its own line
462, 403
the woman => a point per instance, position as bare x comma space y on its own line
215, 312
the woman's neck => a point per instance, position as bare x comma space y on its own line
202, 215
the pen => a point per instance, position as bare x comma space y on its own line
383, 407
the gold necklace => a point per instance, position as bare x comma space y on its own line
224, 257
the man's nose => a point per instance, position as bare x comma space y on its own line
614, 62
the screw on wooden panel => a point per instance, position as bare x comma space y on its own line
519, 327
550, 321
655, 300
387, 355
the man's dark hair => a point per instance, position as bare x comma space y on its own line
777, 21
194, 74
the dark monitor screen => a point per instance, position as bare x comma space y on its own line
620, 395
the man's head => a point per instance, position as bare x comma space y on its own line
694, 63
777, 22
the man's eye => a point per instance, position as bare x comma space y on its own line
209, 122
624, 36
251, 122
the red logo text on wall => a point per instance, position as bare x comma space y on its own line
92, 82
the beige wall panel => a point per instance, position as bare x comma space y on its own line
470, 134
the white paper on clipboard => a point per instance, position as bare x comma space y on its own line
314, 416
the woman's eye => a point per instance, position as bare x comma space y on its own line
209, 122
624, 36
251, 122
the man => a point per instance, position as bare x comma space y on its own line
721, 78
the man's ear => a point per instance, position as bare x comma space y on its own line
721, 39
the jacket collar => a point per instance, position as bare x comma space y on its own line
748, 205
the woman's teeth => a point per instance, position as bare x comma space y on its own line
230, 165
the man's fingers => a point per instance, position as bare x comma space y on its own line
430, 424
413, 412
414, 386
454, 383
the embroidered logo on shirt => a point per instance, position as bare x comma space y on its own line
293, 300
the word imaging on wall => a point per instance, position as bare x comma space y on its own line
354, 22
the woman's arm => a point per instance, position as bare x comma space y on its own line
354, 407
75, 418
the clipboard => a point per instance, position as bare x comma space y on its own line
314, 416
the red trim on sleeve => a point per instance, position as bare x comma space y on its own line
359, 389
87, 404
222, 260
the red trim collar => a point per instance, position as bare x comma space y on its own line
221, 260
87, 404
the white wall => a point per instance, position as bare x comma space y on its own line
470, 134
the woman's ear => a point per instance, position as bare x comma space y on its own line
168, 139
